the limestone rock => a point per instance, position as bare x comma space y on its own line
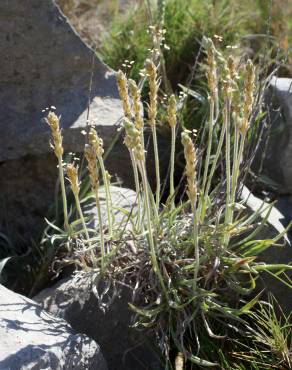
33, 339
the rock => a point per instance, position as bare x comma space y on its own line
275, 219
18, 274
44, 64
47, 64
284, 205
124, 348
121, 198
27, 191
28, 188
33, 339
275, 254
277, 164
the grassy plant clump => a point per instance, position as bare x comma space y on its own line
271, 338
193, 265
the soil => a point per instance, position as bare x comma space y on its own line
93, 18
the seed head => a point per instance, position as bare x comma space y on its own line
72, 173
248, 96
96, 142
124, 94
151, 71
171, 110
236, 101
191, 162
92, 165
54, 123
139, 152
133, 140
136, 95
227, 82
232, 68
212, 68
132, 136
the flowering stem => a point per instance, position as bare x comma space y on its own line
215, 161
172, 157
78, 206
209, 145
107, 195
228, 169
196, 244
157, 170
63, 190
239, 157
136, 177
155, 265
235, 166
102, 245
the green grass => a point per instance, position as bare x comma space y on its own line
271, 337
185, 24
257, 28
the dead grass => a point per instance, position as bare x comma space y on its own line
92, 18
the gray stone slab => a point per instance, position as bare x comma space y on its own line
123, 201
124, 348
276, 254
277, 152
45, 63
32, 339
284, 204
